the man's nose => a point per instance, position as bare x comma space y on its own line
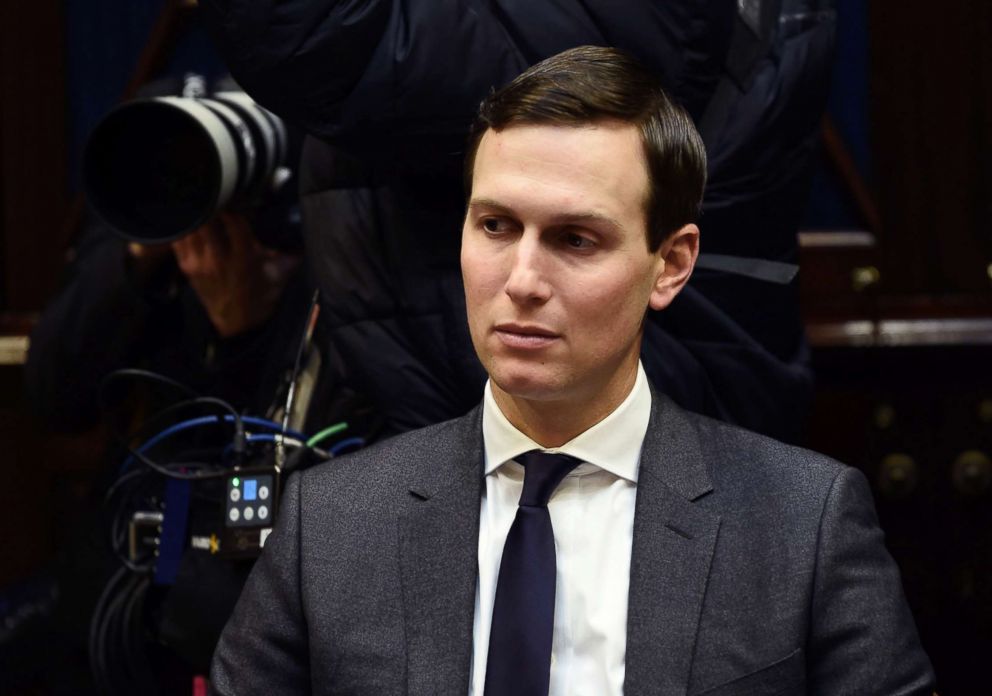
528, 281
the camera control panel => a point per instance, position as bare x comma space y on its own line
250, 500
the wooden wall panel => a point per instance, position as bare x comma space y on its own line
33, 194
931, 110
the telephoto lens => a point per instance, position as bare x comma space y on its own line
155, 169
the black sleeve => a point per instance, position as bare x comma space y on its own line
405, 78
377, 77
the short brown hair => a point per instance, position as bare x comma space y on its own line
592, 83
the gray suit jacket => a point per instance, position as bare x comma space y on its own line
757, 568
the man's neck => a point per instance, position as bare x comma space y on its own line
553, 423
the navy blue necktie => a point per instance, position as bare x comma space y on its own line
519, 662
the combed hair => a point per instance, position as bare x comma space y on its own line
584, 85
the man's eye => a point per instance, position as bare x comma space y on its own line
577, 241
494, 225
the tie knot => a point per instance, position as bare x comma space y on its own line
543, 471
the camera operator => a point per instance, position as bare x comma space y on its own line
204, 309
237, 280
185, 287
216, 310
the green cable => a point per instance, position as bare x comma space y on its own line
326, 433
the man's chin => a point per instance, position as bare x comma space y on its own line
528, 386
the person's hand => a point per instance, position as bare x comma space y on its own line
238, 280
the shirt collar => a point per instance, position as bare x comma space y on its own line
613, 444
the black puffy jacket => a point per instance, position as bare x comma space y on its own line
389, 88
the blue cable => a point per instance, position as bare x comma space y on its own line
204, 420
264, 437
252, 420
345, 444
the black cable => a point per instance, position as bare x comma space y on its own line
120, 509
130, 372
95, 654
135, 373
116, 485
136, 499
107, 662
164, 469
116, 535
133, 640
171, 470
194, 399
108, 641
239, 446
179, 406
116, 636
239, 441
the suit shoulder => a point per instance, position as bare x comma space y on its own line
742, 457
434, 452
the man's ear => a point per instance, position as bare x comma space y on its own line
677, 259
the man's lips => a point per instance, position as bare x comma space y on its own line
525, 336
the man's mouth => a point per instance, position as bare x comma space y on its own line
526, 336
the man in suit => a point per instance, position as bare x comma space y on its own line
577, 533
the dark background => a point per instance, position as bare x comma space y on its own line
896, 276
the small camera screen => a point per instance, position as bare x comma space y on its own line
251, 489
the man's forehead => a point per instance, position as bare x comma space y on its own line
591, 169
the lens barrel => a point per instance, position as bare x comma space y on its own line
156, 169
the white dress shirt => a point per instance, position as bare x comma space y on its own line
592, 512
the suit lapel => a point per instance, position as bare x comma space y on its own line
439, 564
673, 546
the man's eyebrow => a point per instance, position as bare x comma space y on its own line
562, 219
489, 204
583, 218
